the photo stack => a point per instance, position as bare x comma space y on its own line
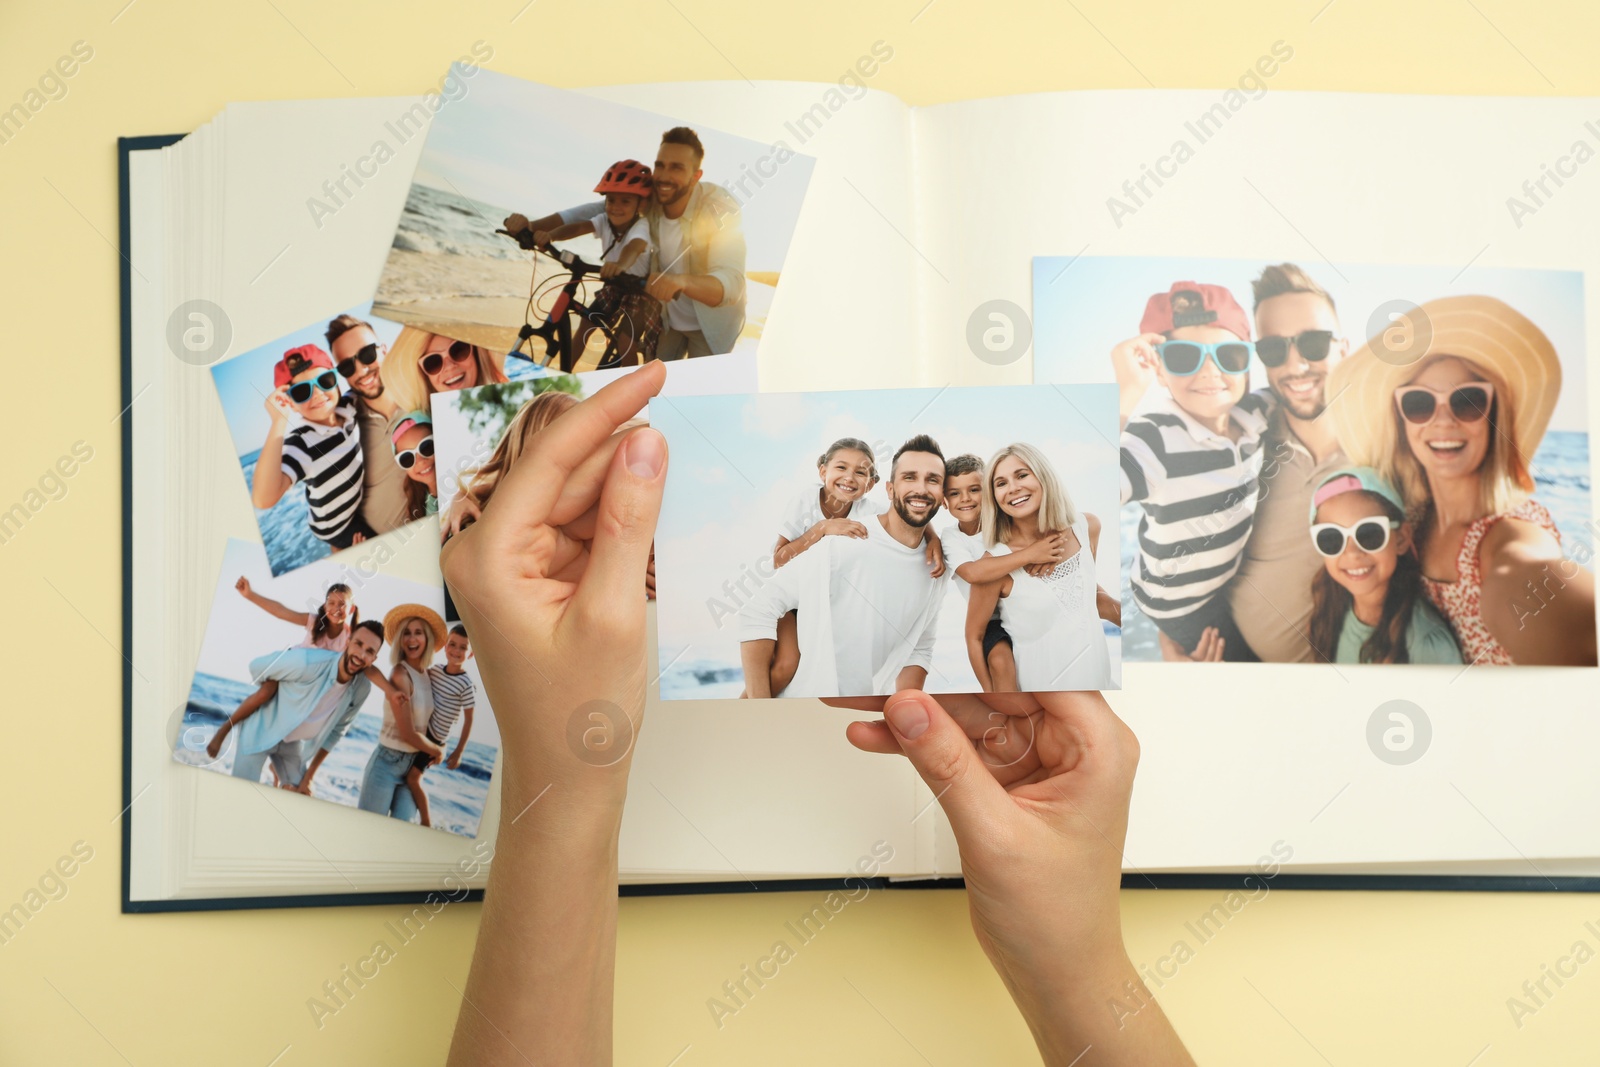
547, 238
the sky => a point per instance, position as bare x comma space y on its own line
238, 631
1082, 308
736, 461
245, 381
531, 148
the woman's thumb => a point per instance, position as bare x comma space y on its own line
630, 502
945, 758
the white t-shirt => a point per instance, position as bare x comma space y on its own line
319, 714
867, 609
805, 511
640, 230
671, 257
960, 548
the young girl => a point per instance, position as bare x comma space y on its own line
632, 315
454, 697
412, 438
328, 628
837, 507
1367, 604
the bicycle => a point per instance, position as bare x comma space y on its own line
556, 330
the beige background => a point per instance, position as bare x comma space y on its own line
1296, 978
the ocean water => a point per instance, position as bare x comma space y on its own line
455, 797
443, 221
1561, 483
285, 527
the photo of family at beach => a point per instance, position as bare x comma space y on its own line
333, 430
1341, 464
586, 234
353, 692
855, 543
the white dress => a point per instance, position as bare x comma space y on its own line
1054, 625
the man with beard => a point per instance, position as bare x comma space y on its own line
1299, 343
697, 255
357, 354
319, 693
866, 607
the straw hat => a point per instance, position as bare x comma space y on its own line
398, 615
1485, 332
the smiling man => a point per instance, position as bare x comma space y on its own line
1299, 343
358, 356
697, 250
867, 607
324, 451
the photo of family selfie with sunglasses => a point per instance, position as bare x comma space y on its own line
1373, 464
334, 431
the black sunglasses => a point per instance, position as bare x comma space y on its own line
460, 352
300, 392
1313, 346
367, 355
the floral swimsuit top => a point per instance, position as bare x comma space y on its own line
1459, 601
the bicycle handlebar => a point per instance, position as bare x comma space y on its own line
571, 260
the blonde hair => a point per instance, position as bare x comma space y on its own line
397, 656
479, 485
1056, 511
403, 378
1503, 478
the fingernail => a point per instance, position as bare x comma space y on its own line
646, 451
909, 718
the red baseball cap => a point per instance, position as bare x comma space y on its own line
296, 360
1193, 304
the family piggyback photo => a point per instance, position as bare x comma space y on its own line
853, 544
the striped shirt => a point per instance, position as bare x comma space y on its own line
452, 694
1198, 490
328, 460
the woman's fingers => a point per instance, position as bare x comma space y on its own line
943, 755
873, 737
625, 530
530, 489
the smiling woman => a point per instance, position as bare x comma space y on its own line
422, 363
1453, 429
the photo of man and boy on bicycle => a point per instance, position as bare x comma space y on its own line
588, 241
542, 235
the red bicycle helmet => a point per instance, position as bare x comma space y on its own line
626, 176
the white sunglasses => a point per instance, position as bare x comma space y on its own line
1370, 535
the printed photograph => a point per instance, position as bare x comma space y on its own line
837, 544
587, 234
1343, 464
342, 686
486, 431
331, 425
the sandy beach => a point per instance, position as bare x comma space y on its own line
482, 300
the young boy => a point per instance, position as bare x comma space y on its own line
964, 553
324, 451
1191, 456
454, 697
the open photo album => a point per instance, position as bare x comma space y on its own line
1195, 397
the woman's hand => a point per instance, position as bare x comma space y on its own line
555, 635
243, 586
462, 512
1036, 787
547, 582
